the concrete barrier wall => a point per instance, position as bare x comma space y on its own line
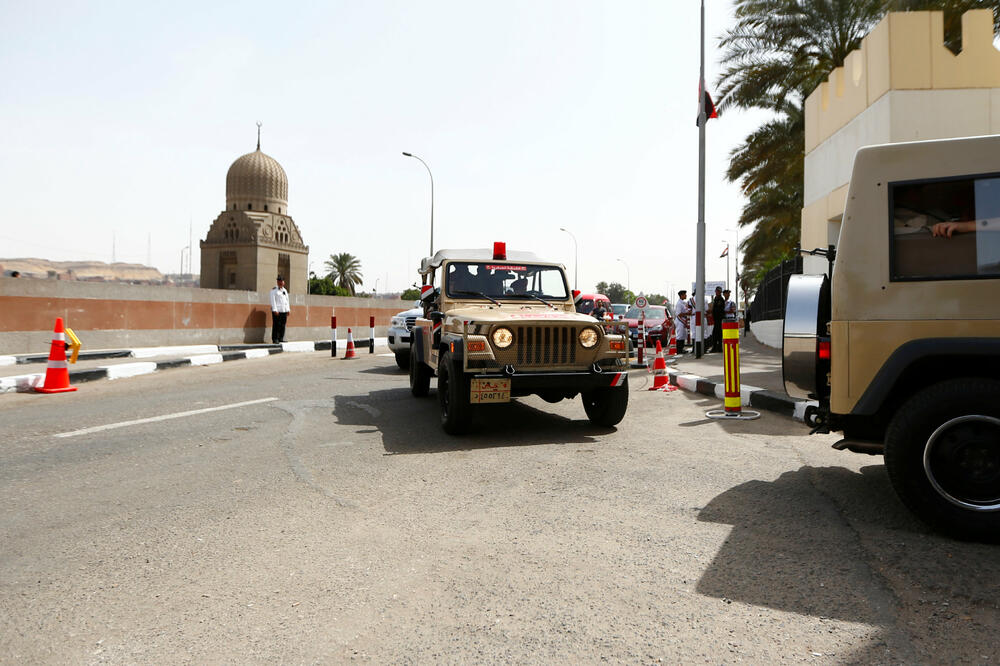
768, 332
110, 315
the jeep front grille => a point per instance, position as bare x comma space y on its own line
410, 321
545, 345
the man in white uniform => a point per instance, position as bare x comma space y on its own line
279, 311
682, 319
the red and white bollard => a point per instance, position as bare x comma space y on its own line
333, 336
371, 334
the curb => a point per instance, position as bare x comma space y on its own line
751, 396
198, 355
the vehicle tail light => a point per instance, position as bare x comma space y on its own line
824, 350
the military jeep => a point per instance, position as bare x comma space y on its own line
501, 325
901, 348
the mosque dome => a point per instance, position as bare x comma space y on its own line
256, 181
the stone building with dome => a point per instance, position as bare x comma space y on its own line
254, 239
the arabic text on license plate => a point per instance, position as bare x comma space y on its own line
489, 390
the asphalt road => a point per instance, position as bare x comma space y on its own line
322, 516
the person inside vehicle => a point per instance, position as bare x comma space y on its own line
461, 279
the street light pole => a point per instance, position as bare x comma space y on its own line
576, 257
432, 197
628, 276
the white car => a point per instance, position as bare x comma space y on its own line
399, 334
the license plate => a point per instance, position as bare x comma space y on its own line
489, 390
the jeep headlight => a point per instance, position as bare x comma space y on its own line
503, 338
398, 322
588, 337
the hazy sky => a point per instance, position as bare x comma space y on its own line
121, 119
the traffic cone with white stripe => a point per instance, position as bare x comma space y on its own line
57, 372
350, 346
660, 379
672, 351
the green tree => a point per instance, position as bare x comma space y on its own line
411, 294
602, 288
345, 270
773, 58
325, 286
615, 292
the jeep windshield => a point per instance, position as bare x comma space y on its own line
491, 280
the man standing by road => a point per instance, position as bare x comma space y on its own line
718, 314
279, 311
682, 314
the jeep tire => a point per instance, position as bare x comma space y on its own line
403, 359
942, 453
420, 375
453, 396
606, 406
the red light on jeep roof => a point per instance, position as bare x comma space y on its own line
500, 251
824, 350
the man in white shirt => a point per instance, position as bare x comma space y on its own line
682, 315
279, 311
730, 309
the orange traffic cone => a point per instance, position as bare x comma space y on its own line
673, 344
57, 373
660, 379
350, 346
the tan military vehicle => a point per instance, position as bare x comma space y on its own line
902, 347
499, 325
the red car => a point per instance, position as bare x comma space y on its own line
659, 323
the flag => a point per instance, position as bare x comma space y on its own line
707, 106
725, 253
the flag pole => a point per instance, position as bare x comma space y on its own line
699, 341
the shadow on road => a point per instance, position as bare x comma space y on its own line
412, 425
790, 549
388, 370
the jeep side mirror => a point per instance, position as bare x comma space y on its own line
436, 317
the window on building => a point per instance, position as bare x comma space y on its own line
945, 229
265, 208
249, 206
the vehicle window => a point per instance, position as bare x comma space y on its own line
945, 229
619, 309
506, 281
652, 312
585, 306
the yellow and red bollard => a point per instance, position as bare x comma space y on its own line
732, 397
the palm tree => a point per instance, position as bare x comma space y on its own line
777, 53
345, 270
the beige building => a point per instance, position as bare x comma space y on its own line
903, 84
254, 239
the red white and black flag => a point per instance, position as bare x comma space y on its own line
705, 106
725, 253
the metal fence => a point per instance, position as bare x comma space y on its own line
769, 301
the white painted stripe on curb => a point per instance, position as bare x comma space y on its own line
206, 359
8, 360
21, 382
800, 409
165, 417
303, 346
257, 353
687, 382
149, 352
124, 370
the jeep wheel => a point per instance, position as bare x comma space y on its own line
403, 359
420, 375
606, 406
453, 396
942, 452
